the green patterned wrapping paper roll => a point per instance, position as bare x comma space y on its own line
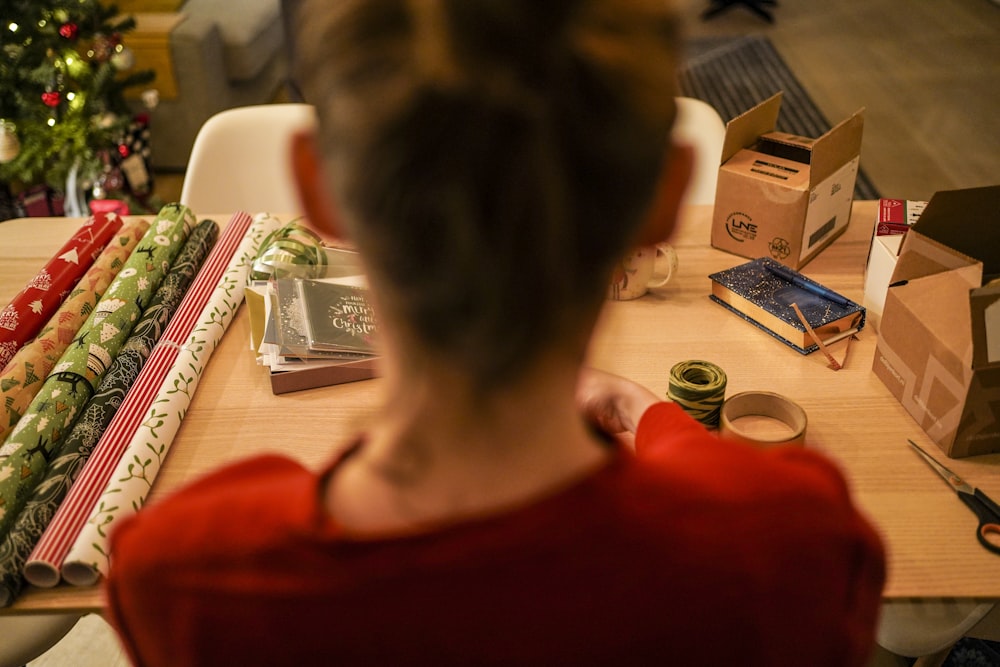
17, 544
29, 447
24, 375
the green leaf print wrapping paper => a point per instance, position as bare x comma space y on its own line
18, 543
29, 447
26, 372
136, 470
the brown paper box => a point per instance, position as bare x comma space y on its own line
939, 343
781, 195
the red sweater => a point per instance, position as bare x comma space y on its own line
693, 552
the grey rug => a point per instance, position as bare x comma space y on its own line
735, 74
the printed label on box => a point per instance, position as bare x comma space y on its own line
829, 208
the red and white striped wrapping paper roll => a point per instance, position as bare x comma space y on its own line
43, 565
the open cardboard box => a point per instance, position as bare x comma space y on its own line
938, 350
782, 195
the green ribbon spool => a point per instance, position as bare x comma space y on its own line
699, 387
292, 251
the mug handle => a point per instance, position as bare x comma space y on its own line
664, 265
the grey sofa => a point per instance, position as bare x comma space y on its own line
226, 53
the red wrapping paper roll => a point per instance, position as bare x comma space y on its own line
28, 312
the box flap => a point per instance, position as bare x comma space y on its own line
837, 147
941, 303
743, 131
968, 221
985, 310
922, 256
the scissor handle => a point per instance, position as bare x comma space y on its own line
989, 518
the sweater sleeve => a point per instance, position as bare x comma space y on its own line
664, 423
799, 498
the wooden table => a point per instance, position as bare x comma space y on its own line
930, 534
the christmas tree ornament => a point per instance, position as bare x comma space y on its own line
51, 98
69, 30
123, 58
102, 49
150, 98
10, 145
106, 120
134, 152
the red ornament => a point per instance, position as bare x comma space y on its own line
69, 30
123, 150
51, 98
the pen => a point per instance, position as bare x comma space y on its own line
784, 273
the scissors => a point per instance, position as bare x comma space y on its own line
980, 503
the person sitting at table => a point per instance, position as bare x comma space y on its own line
492, 160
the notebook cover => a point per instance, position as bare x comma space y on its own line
754, 282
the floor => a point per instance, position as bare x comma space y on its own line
928, 73
91, 643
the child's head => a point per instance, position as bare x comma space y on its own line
491, 159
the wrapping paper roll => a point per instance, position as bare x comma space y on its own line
29, 447
17, 544
24, 375
148, 419
27, 312
132, 479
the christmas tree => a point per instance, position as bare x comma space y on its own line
64, 69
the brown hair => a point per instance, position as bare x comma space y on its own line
492, 158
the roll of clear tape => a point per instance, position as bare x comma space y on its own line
763, 404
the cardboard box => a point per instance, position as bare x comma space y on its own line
938, 349
894, 218
781, 195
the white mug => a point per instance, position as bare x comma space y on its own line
641, 270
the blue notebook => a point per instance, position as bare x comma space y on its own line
762, 292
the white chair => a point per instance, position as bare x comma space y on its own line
240, 161
698, 124
927, 629
24, 638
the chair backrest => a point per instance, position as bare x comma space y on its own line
240, 161
240, 157
699, 125
27, 637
